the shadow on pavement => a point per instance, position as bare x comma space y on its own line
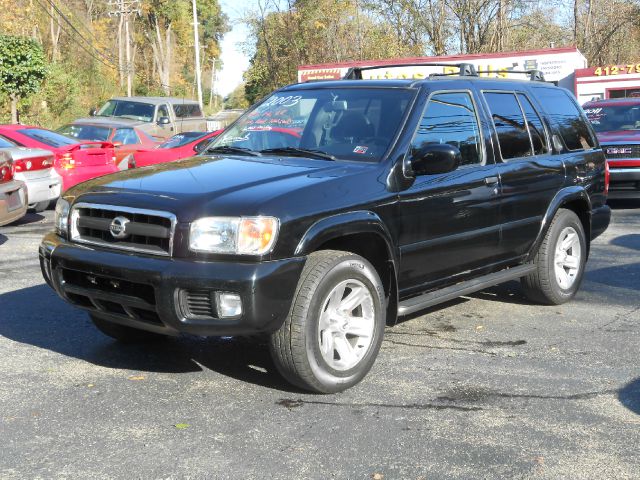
36, 316
3, 239
631, 240
625, 204
629, 396
30, 217
618, 276
509, 292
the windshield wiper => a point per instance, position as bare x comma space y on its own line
230, 149
300, 152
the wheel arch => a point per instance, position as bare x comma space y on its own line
575, 199
365, 234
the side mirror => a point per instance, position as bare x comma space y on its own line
117, 144
434, 158
164, 121
92, 112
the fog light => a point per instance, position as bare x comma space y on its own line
228, 305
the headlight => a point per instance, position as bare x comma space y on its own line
61, 218
235, 235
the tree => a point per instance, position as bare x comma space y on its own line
236, 99
22, 69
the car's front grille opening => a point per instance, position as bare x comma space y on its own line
114, 296
197, 304
123, 228
613, 152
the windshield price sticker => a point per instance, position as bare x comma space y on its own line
617, 70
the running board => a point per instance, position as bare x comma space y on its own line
426, 300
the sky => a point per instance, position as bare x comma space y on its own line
235, 62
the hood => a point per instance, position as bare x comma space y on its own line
201, 186
112, 122
617, 136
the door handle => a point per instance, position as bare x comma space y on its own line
491, 180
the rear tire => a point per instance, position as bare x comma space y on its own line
123, 333
560, 261
332, 335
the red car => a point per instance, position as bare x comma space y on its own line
182, 145
617, 125
75, 161
125, 138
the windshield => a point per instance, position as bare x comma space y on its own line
48, 137
86, 132
347, 123
181, 139
127, 109
614, 117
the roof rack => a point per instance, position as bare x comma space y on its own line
465, 70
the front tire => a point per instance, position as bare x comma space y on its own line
332, 335
123, 333
560, 261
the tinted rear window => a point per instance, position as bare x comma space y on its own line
86, 132
562, 109
182, 139
47, 137
4, 143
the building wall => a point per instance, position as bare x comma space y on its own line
600, 82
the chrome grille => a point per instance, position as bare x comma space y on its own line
621, 151
123, 228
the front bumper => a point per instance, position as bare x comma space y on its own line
13, 201
42, 187
145, 292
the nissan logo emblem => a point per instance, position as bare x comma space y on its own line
118, 227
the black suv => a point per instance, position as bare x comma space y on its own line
332, 208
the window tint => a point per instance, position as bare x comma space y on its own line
126, 136
181, 139
186, 110
513, 136
127, 109
86, 132
561, 108
451, 118
536, 129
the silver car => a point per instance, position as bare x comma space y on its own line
35, 167
13, 193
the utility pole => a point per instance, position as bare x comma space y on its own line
196, 38
124, 9
213, 80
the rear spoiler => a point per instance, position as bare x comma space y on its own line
90, 144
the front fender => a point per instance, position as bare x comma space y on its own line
344, 224
563, 197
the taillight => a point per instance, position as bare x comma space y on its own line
66, 161
6, 167
21, 165
607, 177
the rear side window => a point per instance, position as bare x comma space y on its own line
511, 127
451, 118
536, 129
562, 109
186, 110
126, 136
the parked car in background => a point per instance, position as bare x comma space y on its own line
75, 161
13, 193
35, 167
179, 146
158, 117
617, 125
125, 136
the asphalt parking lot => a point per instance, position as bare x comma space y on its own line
486, 386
